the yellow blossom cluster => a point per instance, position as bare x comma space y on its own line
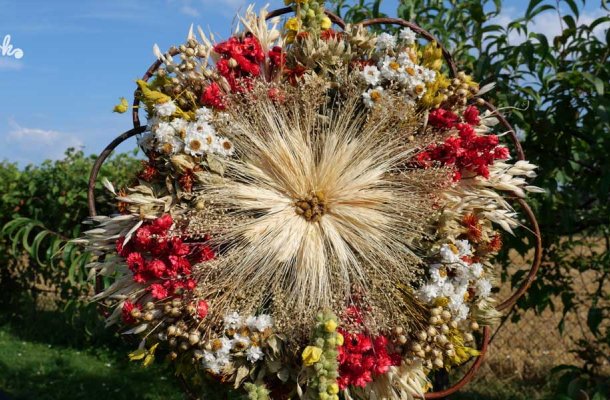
321, 358
309, 17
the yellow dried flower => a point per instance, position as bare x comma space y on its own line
340, 339
333, 388
326, 23
432, 56
293, 24
330, 326
311, 355
122, 107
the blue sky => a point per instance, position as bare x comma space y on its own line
80, 56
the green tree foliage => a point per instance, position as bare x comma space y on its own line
42, 208
557, 88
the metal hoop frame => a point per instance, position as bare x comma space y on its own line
529, 214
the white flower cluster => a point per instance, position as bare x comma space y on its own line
178, 135
235, 342
387, 42
398, 70
456, 279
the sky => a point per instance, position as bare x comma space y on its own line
80, 56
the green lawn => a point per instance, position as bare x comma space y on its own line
43, 358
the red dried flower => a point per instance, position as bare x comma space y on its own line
330, 34
495, 244
149, 171
473, 227
135, 262
213, 97
467, 151
362, 357
162, 224
204, 253
471, 115
294, 74
277, 57
143, 237
158, 291
202, 308
240, 60
157, 268
441, 118
186, 180
126, 312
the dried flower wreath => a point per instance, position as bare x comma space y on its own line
317, 215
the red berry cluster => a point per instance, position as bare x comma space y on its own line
467, 151
363, 357
161, 261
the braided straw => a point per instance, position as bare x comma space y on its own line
509, 302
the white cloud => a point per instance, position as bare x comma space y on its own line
34, 144
548, 23
197, 8
189, 10
10, 64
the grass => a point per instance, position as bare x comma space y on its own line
42, 358
42, 371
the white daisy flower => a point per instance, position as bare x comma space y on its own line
404, 59
152, 123
263, 322
390, 68
169, 145
371, 75
429, 75
373, 96
226, 345
225, 147
209, 141
483, 287
251, 322
223, 360
455, 301
476, 270
254, 354
180, 127
385, 41
460, 312
407, 35
163, 130
448, 256
438, 273
147, 141
418, 89
463, 247
165, 109
446, 289
203, 114
428, 293
240, 342
194, 143
208, 357
232, 321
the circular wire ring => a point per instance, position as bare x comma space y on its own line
138, 129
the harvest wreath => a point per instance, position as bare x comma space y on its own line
317, 215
